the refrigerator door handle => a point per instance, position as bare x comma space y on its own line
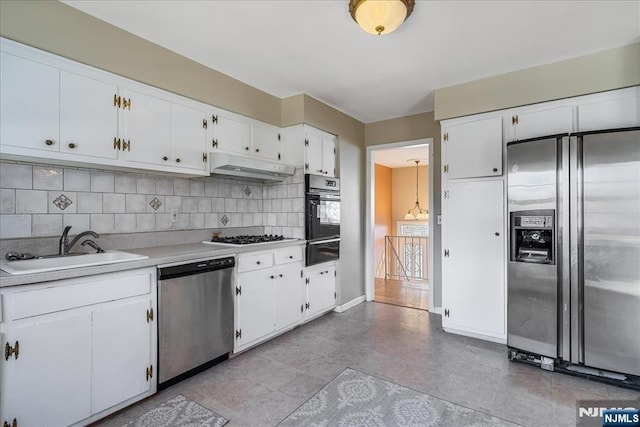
576, 237
563, 248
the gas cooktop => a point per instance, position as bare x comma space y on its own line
246, 240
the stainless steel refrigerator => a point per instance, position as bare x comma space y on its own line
573, 273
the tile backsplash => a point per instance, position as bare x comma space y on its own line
40, 200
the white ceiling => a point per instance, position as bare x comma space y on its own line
289, 47
402, 157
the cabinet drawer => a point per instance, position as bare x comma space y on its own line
254, 262
286, 255
68, 294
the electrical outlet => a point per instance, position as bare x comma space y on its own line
174, 215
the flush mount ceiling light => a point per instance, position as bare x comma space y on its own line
380, 16
421, 214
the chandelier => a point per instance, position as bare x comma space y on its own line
421, 214
380, 16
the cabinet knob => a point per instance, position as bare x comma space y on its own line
273, 277
279, 275
246, 148
319, 170
72, 145
165, 158
258, 262
495, 169
257, 150
290, 256
497, 234
177, 160
48, 142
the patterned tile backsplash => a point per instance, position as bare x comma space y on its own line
39, 201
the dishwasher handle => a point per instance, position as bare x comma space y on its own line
188, 269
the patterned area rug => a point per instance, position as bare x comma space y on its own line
357, 399
179, 411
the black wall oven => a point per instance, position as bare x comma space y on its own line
322, 218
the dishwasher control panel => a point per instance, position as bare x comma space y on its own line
196, 267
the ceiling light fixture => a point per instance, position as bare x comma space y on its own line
380, 16
423, 214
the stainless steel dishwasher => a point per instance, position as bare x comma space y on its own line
195, 324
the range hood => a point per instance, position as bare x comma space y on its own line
248, 167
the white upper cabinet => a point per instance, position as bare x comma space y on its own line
609, 114
472, 149
552, 121
266, 141
145, 129
30, 104
88, 116
231, 133
189, 136
311, 148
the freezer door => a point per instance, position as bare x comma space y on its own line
611, 230
532, 303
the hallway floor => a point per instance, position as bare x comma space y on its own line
263, 385
413, 294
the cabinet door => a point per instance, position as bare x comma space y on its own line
146, 129
232, 134
473, 294
188, 137
288, 289
329, 156
547, 122
321, 289
473, 149
29, 104
49, 384
121, 345
313, 152
611, 114
266, 141
88, 116
255, 306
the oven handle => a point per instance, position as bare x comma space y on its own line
319, 242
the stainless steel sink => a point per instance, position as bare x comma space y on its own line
44, 264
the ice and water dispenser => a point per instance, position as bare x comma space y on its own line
532, 236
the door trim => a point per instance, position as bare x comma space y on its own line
369, 262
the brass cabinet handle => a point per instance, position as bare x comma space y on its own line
14, 423
9, 351
116, 100
214, 143
126, 145
165, 158
72, 145
177, 160
48, 142
204, 123
116, 143
204, 157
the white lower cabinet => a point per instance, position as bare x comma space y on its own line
77, 349
275, 292
321, 289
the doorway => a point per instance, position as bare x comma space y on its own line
399, 248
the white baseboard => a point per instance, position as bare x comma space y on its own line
350, 304
436, 310
499, 340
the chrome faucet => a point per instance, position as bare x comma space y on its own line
65, 246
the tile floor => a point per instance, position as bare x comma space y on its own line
263, 385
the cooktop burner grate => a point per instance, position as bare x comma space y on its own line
247, 239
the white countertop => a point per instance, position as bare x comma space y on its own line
157, 256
